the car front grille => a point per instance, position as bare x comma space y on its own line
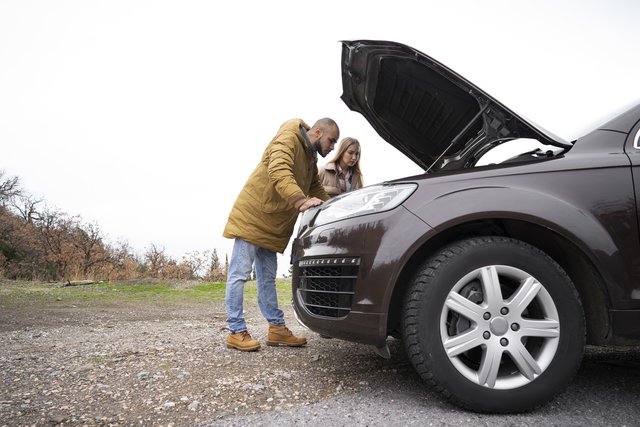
326, 285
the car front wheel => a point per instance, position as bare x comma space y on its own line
495, 324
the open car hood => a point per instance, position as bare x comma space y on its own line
428, 112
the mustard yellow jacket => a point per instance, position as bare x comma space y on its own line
266, 209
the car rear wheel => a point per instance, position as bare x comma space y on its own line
495, 324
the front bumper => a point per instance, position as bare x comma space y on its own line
344, 273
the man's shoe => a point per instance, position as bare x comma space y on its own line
242, 341
281, 335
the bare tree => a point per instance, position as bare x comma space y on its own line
196, 262
156, 259
26, 206
9, 187
15, 245
88, 241
55, 229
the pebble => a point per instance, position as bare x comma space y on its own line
167, 405
153, 373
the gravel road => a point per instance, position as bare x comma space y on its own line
167, 365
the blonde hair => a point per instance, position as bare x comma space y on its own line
344, 146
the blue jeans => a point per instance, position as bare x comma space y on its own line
242, 258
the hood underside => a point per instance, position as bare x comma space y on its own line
431, 114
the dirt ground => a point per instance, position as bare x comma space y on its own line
164, 365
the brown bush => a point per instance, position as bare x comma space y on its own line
37, 243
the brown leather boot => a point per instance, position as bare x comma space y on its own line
282, 335
242, 341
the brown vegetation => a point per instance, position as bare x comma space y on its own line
38, 243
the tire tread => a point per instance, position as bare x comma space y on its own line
419, 290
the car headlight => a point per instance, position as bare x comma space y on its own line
368, 200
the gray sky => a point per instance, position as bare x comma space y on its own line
147, 116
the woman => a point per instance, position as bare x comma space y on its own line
342, 173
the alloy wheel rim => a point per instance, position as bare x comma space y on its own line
499, 327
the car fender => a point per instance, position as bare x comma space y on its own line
601, 233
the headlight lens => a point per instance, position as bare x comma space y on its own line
369, 200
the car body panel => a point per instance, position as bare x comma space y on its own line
606, 231
624, 121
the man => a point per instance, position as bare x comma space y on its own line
284, 183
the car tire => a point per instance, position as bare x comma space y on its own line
495, 324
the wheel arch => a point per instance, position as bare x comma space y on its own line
583, 273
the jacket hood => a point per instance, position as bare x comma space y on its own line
428, 112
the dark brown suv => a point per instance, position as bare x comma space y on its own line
493, 274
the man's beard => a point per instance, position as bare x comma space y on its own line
318, 148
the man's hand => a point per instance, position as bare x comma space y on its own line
310, 203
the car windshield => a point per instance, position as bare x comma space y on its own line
519, 149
